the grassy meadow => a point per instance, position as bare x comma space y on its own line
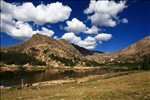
113, 86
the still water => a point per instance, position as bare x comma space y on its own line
10, 79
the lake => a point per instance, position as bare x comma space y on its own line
11, 79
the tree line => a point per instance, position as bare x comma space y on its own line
13, 57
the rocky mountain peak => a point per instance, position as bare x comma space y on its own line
39, 38
60, 52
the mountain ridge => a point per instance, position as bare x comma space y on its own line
55, 52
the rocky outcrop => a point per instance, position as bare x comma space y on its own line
59, 53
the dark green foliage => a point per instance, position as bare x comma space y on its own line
21, 71
108, 67
45, 51
69, 72
12, 57
92, 63
145, 64
138, 63
65, 61
135, 62
34, 49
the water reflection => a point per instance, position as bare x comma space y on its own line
9, 79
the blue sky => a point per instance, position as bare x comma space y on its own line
127, 24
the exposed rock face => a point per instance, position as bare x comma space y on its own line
41, 47
44, 48
141, 47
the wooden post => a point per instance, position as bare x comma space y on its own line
22, 83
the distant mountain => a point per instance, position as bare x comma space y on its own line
136, 50
141, 47
61, 53
83, 51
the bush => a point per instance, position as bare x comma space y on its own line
92, 63
145, 64
65, 61
12, 57
21, 70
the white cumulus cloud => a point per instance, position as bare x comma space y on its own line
15, 18
92, 30
104, 13
75, 26
22, 30
88, 43
50, 13
103, 37
71, 37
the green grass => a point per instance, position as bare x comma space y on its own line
125, 86
110, 75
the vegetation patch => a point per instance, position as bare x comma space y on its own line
106, 76
145, 65
12, 57
63, 60
92, 63
133, 86
134, 62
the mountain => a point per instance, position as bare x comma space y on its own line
135, 50
141, 47
43, 47
83, 51
61, 53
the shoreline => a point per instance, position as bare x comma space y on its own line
29, 68
84, 79
132, 85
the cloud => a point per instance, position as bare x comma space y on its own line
103, 37
50, 13
104, 13
15, 18
103, 20
124, 20
71, 37
22, 30
45, 31
75, 26
56, 37
88, 43
92, 30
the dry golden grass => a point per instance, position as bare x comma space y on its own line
133, 86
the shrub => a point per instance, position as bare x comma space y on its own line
12, 57
92, 63
145, 64
65, 61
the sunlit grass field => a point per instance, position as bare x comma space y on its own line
131, 86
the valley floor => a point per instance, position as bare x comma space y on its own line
130, 86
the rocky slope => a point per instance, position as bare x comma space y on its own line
138, 49
61, 53
141, 47
42, 47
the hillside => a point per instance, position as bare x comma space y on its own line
141, 47
43, 47
61, 53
